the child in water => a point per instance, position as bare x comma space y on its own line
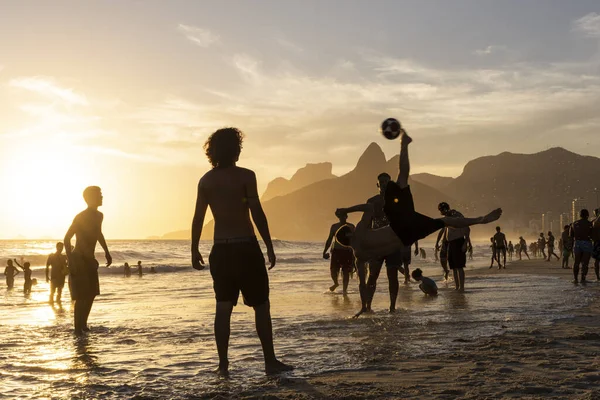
427, 285
10, 272
26, 267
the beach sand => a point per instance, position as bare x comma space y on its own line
561, 360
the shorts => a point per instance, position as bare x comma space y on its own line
583, 246
457, 258
342, 259
239, 267
83, 277
406, 223
58, 282
596, 250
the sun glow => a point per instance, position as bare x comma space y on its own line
43, 181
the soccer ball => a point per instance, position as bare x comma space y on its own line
391, 128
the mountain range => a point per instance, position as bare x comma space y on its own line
524, 185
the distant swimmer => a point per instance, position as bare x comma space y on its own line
139, 268
596, 240
236, 259
566, 246
56, 272
83, 266
550, 243
523, 247
342, 258
28, 282
406, 225
427, 285
511, 250
126, 270
423, 254
436, 252
10, 272
152, 270
470, 251
581, 232
501, 245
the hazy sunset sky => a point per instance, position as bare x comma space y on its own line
123, 94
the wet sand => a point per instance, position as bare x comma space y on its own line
561, 360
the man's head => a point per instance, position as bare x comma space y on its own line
497, 229
520, 237
541, 234
417, 274
224, 146
26, 265
549, 233
566, 227
492, 239
93, 196
126, 265
343, 235
584, 214
343, 217
139, 263
382, 181
59, 247
9, 263
444, 208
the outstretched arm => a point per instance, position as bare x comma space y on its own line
197, 224
18, 265
259, 217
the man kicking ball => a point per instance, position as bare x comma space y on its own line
406, 225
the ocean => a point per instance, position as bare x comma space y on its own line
152, 336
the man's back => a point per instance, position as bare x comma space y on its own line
499, 239
227, 192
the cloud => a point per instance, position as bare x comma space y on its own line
49, 88
491, 49
247, 67
199, 36
289, 45
589, 25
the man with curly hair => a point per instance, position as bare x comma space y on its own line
236, 260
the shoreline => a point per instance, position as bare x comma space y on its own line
544, 361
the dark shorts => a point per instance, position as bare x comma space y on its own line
342, 259
456, 257
408, 224
239, 267
83, 277
57, 282
596, 251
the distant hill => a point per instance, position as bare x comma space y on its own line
311, 173
307, 213
436, 182
527, 185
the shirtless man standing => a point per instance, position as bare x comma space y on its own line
581, 232
406, 225
342, 258
83, 267
501, 245
56, 268
236, 260
459, 240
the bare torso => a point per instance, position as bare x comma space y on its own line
227, 191
88, 227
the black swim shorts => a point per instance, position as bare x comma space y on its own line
408, 224
457, 258
239, 267
83, 277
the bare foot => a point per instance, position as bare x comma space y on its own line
333, 287
223, 370
358, 314
392, 310
404, 138
277, 367
491, 217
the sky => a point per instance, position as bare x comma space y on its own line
124, 94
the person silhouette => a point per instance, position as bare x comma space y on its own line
236, 260
83, 266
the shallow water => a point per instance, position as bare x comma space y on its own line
152, 335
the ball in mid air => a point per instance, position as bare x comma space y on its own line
391, 128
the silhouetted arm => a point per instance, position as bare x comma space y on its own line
102, 242
329, 240
18, 265
48, 267
259, 217
437, 242
197, 224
